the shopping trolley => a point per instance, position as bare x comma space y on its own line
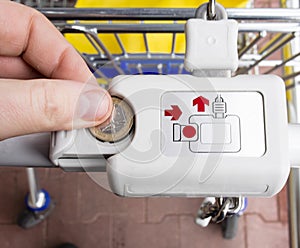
262, 33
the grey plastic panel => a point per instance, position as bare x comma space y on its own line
28, 150
83, 164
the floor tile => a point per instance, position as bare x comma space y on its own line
261, 234
94, 201
8, 197
266, 207
283, 205
127, 234
194, 236
12, 236
158, 208
83, 235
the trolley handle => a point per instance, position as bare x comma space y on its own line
28, 150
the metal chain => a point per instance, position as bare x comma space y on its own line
220, 208
223, 207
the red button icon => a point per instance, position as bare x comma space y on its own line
189, 131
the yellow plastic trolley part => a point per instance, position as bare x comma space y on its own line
134, 43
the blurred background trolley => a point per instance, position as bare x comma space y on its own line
147, 37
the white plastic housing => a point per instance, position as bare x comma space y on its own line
79, 150
211, 45
202, 136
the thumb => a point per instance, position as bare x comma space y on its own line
49, 105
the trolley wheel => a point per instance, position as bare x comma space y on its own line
30, 217
230, 226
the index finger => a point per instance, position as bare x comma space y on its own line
26, 32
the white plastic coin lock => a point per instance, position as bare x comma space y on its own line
193, 136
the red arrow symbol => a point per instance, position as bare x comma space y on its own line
201, 102
175, 112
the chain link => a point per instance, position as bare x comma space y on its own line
221, 208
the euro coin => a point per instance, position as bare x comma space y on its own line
118, 125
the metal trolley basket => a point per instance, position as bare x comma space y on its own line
268, 43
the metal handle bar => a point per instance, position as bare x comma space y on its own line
274, 14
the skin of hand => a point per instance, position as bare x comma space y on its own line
44, 83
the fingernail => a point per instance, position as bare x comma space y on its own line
93, 105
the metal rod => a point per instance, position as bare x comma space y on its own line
290, 87
273, 27
271, 51
120, 43
107, 53
93, 43
297, 187
173, 42
141, 58
123, 28
180, 68
94, 69
293, 218
290, 76
139, 68
282, 63
252, 43
293, 187
266, 63
248, 60
146, 45
272, 42
165, 14
160, 68
99, 43
171, 28
33, 186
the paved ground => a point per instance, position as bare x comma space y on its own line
90, 216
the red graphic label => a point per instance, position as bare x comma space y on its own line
201, 102
175, 112
189, 131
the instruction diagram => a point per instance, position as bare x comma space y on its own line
212, 131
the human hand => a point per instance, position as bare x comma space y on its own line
44, 83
